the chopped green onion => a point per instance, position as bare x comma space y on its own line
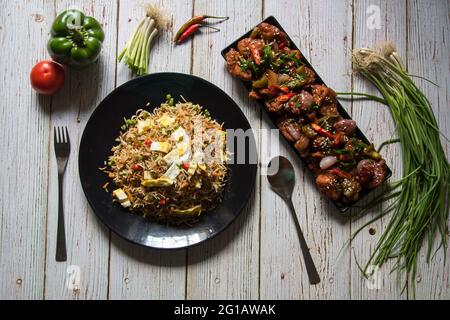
243, 64
206, 113
342, 151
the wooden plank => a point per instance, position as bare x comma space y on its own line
136, 272
283, 275
24, 150
376, 123
428, 56
87, 239
227, 267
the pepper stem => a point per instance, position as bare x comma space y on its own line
77, 36
216, 17
204, 26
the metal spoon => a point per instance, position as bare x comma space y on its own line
282, 182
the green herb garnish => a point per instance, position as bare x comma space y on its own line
291, 57
243, 64
254, 68
348, 164
342, 151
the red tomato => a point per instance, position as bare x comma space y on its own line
185, 166
148, 142
136, 167
47, 77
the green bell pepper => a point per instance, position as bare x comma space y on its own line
76, 39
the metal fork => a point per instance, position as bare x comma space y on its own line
62, 151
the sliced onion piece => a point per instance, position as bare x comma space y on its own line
328, 162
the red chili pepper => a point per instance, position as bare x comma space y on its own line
339, 138
255, 54
274, 88
282, 45
191, 30
284, 89
285, 97
136, 167
336, 140
321, 131
185, 166
162, 202
341, 173
148, 142
192, 21
345, 157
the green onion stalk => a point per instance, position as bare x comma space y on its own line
420, 206
136, 51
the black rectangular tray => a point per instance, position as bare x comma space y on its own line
271, 20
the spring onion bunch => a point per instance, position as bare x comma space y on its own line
421, 197
136, 51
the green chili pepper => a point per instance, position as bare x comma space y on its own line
76, 39
370, 151
298, 82
308, 131
300, 70
260, 83
255, 33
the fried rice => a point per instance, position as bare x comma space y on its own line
169, 164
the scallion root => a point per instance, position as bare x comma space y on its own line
136, 51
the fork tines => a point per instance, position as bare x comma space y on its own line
61, 135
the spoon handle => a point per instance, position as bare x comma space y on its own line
310, 267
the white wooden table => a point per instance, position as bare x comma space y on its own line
259, 255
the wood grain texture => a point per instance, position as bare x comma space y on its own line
136, 272
428, 56
283, 275
87, 238
227, 267
376, 123
24, 150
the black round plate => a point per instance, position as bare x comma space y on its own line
103, 128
